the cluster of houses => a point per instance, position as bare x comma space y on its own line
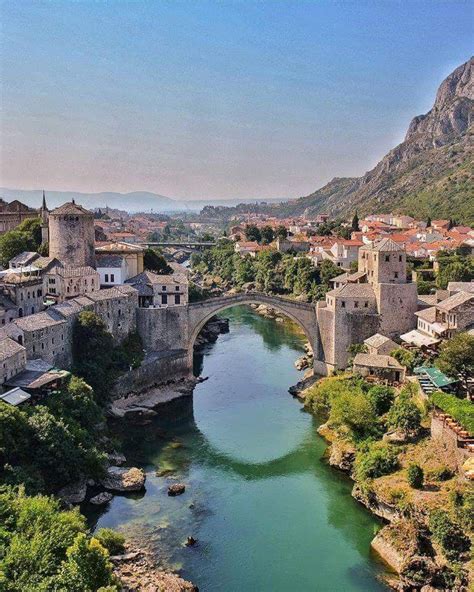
419, 240
40, 297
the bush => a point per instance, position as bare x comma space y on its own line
449, 535
381, 398
352, 411
442, 474
111, 540
404, 414
415, 476
404, 357
375, 459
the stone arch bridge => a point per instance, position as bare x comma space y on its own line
176, 328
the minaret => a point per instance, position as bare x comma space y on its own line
44, 213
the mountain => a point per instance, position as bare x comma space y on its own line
131, 202
430, 173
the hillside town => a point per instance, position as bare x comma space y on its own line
237, 325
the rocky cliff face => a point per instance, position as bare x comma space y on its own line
430, 173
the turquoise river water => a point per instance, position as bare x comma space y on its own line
269, 515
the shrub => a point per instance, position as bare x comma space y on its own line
352, 411
381, 398
404, 414
449, 535
415, 476
111, 540
375, 459
404, 357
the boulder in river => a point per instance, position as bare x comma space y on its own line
101, 498
176, 489
75, 493
124, 479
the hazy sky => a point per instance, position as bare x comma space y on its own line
216, 99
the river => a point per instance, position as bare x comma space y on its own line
268, 514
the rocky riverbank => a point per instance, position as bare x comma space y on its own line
211, 331
405, 542
137, 571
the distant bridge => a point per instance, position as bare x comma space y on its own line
181, 244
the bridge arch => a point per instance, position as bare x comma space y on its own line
302, 313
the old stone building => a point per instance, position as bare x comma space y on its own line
120, 260
14, 213
71, 235
383, 302
66, 282
12, 358
160, 290
24, 290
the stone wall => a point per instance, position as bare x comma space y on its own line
397, 304
157, 368
448, 438
163, 329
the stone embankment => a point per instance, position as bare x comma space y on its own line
142, 407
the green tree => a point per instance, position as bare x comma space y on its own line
381, 398
449, 535
252, 233
154, 261
267, 235
355, 222
456, 271
352, 411
32, 226
404, 414
13, 243
87, 567
244, 270
456, 357
111, 540
281, 232
375, 459
14, 434
404, 356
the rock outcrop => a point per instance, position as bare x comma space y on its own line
124, 479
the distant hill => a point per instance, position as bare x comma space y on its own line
131, 202
430, 173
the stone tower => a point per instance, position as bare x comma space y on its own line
44, 213
71, 235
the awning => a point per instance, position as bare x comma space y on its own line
418, 338
439, 328
15, 397
438, 378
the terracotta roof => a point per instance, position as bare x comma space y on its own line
70, 208
461, 287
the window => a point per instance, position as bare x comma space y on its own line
177, 299
112, 277
177, 288
164, 299
366, 305
106, 278
356, 304
400, 258
395, 274
163, 288
343, 304
387, 258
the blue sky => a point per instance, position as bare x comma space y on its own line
222, 99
